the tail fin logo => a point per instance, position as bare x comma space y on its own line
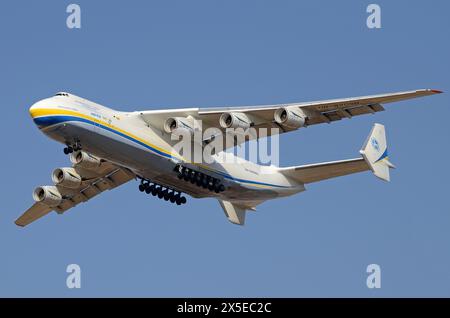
375, 144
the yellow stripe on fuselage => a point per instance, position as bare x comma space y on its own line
42, 112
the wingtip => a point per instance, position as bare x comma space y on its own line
19, 224
436, 91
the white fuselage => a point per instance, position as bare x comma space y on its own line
125, 139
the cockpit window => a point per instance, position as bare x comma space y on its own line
62, 94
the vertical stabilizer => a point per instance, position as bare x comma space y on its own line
375, 152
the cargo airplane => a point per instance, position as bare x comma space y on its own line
108, 148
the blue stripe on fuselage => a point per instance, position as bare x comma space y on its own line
46, 121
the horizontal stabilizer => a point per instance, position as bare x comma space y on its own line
235, 213
374, 157
325, 170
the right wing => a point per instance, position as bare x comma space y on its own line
285, 117
106, 176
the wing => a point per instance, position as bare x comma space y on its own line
106, 176
285, 117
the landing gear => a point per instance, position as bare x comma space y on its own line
143, 186
199, 178
68, 150
165, 193
72, 147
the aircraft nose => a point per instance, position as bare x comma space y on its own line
34, 109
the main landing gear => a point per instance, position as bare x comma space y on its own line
72, 147
161, 192
199, 178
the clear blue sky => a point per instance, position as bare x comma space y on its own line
156, 54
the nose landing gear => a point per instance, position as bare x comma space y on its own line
76, 146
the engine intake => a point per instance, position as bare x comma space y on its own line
234, 120
48, 195
85, 160
178, 123
288, 118
66, 177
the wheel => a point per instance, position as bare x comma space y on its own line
177, 168
70, 149
221, 188
155, 191
161, 194
148, 188
183, 200
173, 198
178, 199
141, 187
167, 196
66, 151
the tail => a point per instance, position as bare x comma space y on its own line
375, 153
374, 157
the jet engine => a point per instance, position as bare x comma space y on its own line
85, 160
234, 120
48, 195
288, 118
66, 177
178, 123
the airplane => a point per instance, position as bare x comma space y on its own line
108, 148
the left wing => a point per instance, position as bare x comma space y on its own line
75, 185
286, 117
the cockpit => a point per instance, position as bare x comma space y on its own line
62, 94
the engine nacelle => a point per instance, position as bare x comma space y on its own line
48, 195
234, 120
85, 160
288, 118
66, 177
178, 123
